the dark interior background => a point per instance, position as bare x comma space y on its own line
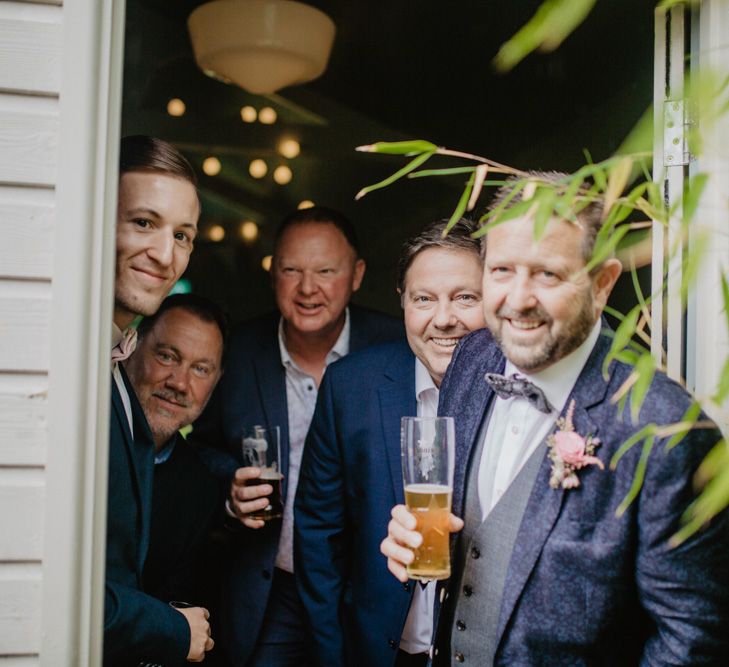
399, 69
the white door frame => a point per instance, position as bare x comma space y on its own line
82, 306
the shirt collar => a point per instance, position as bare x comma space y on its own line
340, 348
116, 335
423, 381
163, 455
557, 380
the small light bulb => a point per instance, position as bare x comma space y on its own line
282, 174
267, 116
176, 107
258, 168
248, 114
216, 233
289, 148
266, 262
211, 166
249, 231
306, 203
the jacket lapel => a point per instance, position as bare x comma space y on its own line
545, 503
397, 400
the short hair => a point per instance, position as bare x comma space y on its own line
201, 307
459, 237
320, 214
140, 152
589, 214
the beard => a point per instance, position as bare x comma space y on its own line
536, 357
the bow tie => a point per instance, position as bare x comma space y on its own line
516, 385
123, 349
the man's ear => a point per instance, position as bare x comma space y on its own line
359, 271
603, 283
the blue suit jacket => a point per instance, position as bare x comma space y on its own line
136, 626
583, 586
253, 391
351, 477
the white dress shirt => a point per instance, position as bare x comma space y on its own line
116, 336
417, 635
516, 428
301, 392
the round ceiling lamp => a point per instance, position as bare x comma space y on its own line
261, 45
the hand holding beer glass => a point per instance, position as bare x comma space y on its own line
428, 455
262, 450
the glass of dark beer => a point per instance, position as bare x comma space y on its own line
262, 450
428, 455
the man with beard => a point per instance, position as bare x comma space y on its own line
174, 369
544, 571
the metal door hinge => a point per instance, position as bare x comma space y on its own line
676, 122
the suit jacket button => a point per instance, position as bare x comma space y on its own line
391, 643
475, 553
467, 591
461, 625
406, 586
459, 656
266, 574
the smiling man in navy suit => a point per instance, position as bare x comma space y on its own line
351, 473
274, 368
157, 216
544, 572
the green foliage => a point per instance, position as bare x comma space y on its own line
411, 166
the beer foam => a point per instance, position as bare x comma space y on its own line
427, 488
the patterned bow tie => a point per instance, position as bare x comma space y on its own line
123, 349
516, 385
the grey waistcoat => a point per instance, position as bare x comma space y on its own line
482, 558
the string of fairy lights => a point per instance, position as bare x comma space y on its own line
287, 147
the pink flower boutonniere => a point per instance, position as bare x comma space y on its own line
569, 452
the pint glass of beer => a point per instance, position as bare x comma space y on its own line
428, 455
262, 449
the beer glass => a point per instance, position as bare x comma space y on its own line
428, 454
262, 449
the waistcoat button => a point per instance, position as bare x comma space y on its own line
459, 656
475, 553
461, 625
467, 591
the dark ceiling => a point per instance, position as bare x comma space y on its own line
399, 69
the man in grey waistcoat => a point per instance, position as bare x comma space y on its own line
544, 571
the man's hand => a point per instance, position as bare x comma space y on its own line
200, 639
246, 499
402, 538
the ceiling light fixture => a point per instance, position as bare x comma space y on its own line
258, 168
248, 114
261, 45
289, 148
176, 107
266, 262
282, 175
216, 233
249, 231
306, 203
267, 115
211, 166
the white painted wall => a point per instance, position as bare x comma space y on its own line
30, 77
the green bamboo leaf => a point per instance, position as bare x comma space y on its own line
622, 337
412, 165
496, 212
450, 171
647, 431
693, 262
545, 198
627, 356
691, 198
690, 417
606, 249
617, 181
646, 369
722, 389
414, 147
553, 21
461, 206
638, 477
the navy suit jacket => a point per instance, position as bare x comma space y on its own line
350, 479
253, 391
583, 586
136, 626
